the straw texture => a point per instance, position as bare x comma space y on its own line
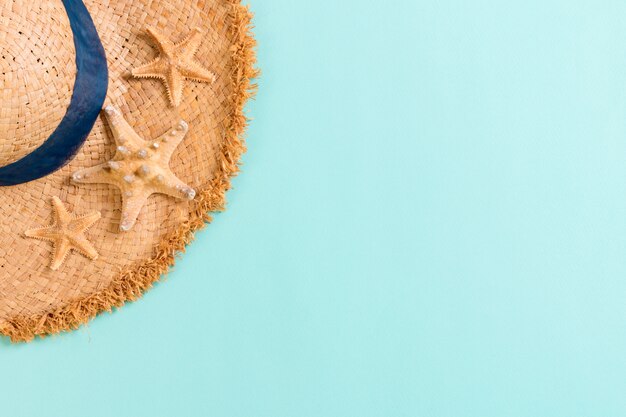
39, 70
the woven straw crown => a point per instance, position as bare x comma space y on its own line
38, 70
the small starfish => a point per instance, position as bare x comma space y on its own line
67, 233
175, 64
139, 168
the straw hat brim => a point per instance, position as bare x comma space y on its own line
35, 300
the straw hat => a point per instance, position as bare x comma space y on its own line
120, 127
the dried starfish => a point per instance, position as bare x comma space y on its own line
139, 168
175, 64
67, 233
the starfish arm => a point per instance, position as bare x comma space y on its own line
82, 223
98, 174
169, 141
81, 245
193, 70
62, 216
61, 249
175, 85
174, 187
42, 233
154, 69
164, 45
191, 44
131, 206
123, 134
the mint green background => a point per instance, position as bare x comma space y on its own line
431, 221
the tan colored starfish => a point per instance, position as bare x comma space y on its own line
139, 168
175, 64
66, 233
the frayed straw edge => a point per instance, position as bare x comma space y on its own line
132, 283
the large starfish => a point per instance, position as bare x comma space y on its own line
139, 168
176, 63
67, 233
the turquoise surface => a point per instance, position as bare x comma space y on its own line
431, 221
